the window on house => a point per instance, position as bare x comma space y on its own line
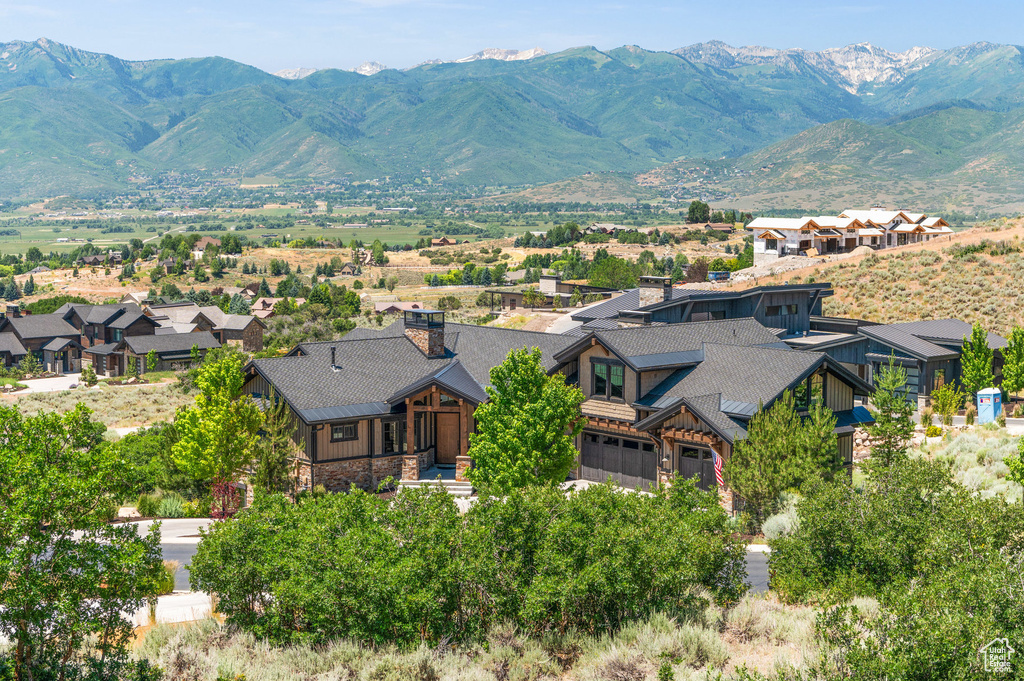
394, 437
609, 381
419, 431
938, 379
117, 335
774, 310
771, 245
344, 431
447, 401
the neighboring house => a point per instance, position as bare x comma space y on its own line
139, 298
443, 241
555, 291
171, 263
823, 235
228, 329
39, 270
263, 308
660, 399
173, 351
111, 257
723, 227
102, 324
348, 270
395, 307
48, 337
204, 243
788, 307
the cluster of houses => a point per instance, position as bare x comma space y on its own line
113, 336
671, 377
825, 235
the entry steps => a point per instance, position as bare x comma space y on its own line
443, 477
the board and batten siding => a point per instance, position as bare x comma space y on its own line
348, 449
838, 395
600, 352
686, 421
257, 386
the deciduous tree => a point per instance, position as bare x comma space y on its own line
525, 432
976, 362
1013, 362
219, 433
66, 574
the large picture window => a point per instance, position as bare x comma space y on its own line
609, 381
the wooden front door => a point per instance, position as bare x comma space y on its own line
447, 438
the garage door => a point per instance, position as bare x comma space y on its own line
631, 463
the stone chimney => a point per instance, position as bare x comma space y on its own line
654, 290
425, 328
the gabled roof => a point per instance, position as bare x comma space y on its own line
668, 345
722, 388
9, 343
453, 377
59, 343
783, 223
171, 342
876, 217
374, 366
39, 326
233, 322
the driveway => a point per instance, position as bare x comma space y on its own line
50, 385
179, 539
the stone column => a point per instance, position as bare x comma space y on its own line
410, 467
462, 464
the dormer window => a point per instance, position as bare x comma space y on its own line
609, 380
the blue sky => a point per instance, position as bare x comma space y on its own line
401, 33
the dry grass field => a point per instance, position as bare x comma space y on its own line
114, 406
758, 633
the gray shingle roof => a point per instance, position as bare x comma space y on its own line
171, 342
41, 326
671, 338
10, 343
377, 365
58, 344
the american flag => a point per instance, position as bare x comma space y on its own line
718, 468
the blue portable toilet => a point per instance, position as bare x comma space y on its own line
989, 404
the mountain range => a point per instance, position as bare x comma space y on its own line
73, 121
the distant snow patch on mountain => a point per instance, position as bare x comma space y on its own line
370, 68
851, 66
503, 55
295, 74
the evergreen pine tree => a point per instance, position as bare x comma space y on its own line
30, 285
264, 291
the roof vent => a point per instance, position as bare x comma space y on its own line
334, 355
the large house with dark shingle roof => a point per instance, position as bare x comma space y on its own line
659, 399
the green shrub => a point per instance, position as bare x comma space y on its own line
165, 581
171, 506
148, 505
411, 568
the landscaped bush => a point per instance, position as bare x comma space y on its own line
412, 568
171, 506
943, 562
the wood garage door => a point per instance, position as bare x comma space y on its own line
631, 463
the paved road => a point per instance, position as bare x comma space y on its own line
179, 542
757, 570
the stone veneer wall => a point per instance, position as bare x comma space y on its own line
429, 341
367, 474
